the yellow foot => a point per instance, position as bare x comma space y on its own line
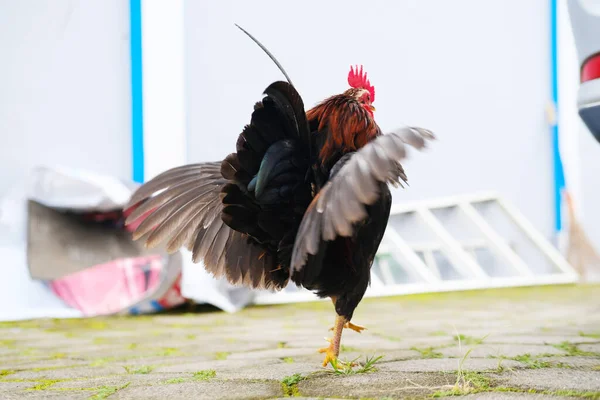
329, 355
350, 325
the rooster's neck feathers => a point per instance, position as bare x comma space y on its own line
345, 124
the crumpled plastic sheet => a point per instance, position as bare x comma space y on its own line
22, 297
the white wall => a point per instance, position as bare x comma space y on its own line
476, 72
569, 121
64, 86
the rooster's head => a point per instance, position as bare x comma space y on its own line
361, 89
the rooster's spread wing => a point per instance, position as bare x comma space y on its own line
341, 202
183, 208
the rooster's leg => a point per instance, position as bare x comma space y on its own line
333, 351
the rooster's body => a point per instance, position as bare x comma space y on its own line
304, 197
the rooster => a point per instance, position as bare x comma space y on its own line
304, 198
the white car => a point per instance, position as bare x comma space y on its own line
585, 22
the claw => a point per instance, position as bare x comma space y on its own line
356, 328
329, 355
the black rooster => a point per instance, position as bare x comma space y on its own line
304, 197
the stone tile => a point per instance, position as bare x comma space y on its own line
20, 361
305, 398
554, 379
512, 329
574, 362
53, 343
377, 385
391, 355
422, 340
498, 350
46, 394
68, 373
202, 390
372, 342
109, 381
159, 360
215, 364
538, 339
594, 348
7, 386
6, 352
43, 364
510, 396
272, 371
223, 346
446, 365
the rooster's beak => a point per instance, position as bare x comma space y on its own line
371, 107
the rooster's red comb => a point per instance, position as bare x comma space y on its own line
358, 79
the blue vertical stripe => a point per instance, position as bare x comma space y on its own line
137, 105
559, 176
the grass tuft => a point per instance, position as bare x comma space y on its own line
466, 382
144, 369
106, 391
289, 385
572, 350
531, 362
175, 380
169, 351
44, 384
8, 343
204, 375
428, 352
348, 368
469, 340
595, 335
